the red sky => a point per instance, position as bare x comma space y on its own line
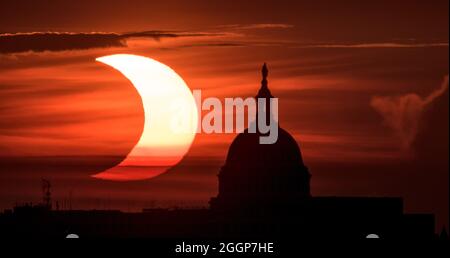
352, 79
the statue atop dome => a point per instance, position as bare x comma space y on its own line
265, 71
264, 91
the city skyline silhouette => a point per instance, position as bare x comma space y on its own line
86, 94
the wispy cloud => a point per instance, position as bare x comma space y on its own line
378, 45
403, 113
233, 35
257, 26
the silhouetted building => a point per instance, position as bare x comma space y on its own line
262, 176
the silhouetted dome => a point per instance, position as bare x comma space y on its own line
259, 176
246, 149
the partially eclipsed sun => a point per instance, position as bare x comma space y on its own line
166, 99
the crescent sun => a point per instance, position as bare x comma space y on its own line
165, 98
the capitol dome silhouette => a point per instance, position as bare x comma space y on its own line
259, 176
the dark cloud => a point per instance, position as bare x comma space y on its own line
59, 41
